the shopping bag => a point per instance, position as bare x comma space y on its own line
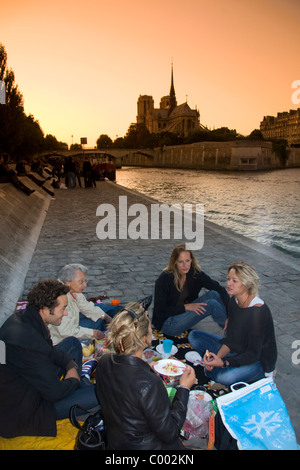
257, 418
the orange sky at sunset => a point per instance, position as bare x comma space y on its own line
82, 65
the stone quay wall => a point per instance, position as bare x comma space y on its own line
232, 156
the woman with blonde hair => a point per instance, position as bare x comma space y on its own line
178, 305
133, 398
248, 352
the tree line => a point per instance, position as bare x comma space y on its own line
20, 134
138, 136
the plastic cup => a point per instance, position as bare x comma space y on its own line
167, 345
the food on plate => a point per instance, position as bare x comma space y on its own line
88, 350
149, 354
203, 396
207, 354
170, 367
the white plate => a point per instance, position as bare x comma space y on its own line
200, 395
161, 365
193, 356
160, 349
149, 355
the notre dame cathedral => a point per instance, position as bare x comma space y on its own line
169, 117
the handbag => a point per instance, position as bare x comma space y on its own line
257, 418
91, 434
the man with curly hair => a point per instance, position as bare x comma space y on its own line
40, 382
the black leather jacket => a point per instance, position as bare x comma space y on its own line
29, 384
136, 406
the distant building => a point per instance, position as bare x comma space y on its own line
285, 126
169, 117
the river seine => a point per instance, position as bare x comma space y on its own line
264, 206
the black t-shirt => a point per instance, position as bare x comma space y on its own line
250, 334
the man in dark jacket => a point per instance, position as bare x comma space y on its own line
39, 382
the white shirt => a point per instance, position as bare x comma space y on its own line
255, 301
70, 323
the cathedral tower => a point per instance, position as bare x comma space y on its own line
173, 101
169, 117
145, 106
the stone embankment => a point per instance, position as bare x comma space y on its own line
22, 218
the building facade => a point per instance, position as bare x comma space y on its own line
169, 117
285, 125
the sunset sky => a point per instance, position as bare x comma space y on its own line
81, 65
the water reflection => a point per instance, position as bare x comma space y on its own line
262, 206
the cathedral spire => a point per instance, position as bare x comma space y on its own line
173, 102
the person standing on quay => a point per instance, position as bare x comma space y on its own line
87, 173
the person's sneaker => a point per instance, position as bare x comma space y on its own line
88, 368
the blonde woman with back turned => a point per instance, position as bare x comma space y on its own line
133, 398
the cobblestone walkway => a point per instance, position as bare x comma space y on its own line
127, 269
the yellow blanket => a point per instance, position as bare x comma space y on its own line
65, 440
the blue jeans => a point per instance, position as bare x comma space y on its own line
201, 341
178, 324
98, 324
71, 179
84, 396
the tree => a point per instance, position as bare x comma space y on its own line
255, 135
32, 137
51, 143
104, 142
76, 147
118, 142
279, 147
20, 135
130, 139
11, 113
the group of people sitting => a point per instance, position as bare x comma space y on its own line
42, 376
8, 175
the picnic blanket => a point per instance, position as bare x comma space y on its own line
64, 440
183, 346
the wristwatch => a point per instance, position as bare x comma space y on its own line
224, 364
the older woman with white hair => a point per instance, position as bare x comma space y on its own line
84, 319
248, 351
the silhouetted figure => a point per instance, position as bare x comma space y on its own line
7, 175
77, 171
20, 168
87, 173
21, 171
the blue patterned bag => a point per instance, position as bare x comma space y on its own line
257, 418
